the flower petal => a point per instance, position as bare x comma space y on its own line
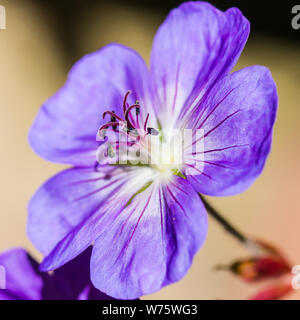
23, 281
65, 202
151, 243
69, 212
195, 46
237, 118
72, 281
66, 125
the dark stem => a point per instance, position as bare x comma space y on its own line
225, 224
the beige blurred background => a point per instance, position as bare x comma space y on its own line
33, 68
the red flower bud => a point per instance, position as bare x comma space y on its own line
267, 265
273, 293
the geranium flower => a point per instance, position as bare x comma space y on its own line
23, 280
146, 222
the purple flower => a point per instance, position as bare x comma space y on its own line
24, 281
147, 222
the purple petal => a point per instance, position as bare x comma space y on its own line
23, 280
66, 125
66, 200
72, 281
195, 46
151, 243
237, 118
70, 211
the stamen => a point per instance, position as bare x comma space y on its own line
109, 124
137, 112
129, 125
113, 119
112, 114
125, 100
146, 121
137, 106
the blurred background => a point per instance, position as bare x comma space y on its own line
43, 39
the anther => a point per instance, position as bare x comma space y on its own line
137, 111
152, 131
113, 119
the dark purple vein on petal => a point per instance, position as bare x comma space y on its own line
217, 126
175, 199
213, 109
